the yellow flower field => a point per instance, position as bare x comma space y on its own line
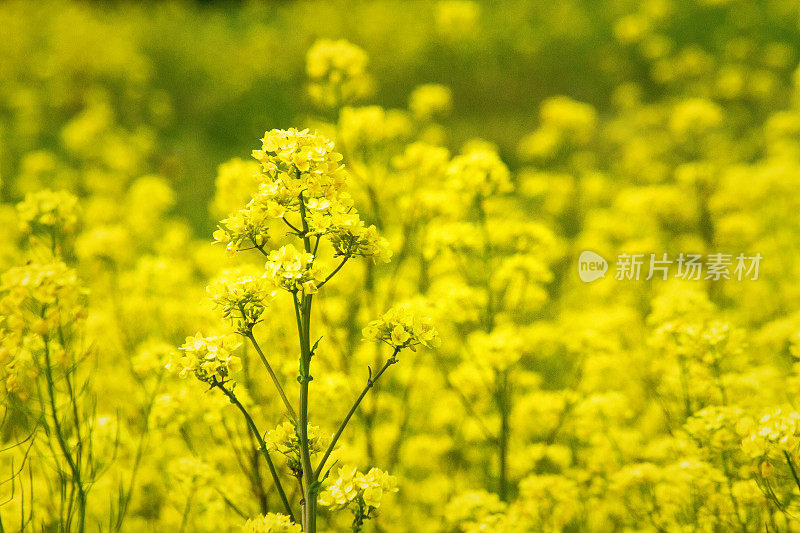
449, 266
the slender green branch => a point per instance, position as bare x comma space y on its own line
791, 467
304, 331
77, 483
335, 270
292, 226
503, 407
139, 453
263, 445
186, 509
281, 392
370, 383
260, 248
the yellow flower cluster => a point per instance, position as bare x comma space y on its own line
51, 212
363, 493
40, 298
424, 161
39, 303
430, 101
695, 117
401, 328
499, 349
457, 19
271, 523
350, 237
300, 162
716, 427
242, 299
209, 359
236, 183
479, 173
773, 434
244, 227
285, 440
371, 127
338, 73
292, 270
564, 123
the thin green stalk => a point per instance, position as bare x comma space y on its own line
502, 401
370, 383
791, 467
272, 375
263, 445
335, 270
77, 484
304, 330
185, 516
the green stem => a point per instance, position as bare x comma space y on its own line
304, 330
791, 467
281, 392
263, 445
62, 441
370, 383
335, 270
502, 401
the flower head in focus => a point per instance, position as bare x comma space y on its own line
292, 270
361, 493
400, 328
241, 298
285, 440
271, 523
210, 359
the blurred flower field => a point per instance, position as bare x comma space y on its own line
451, 266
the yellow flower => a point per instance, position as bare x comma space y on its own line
292, 270
338, 73
49, 211
400, 328
210, 359
430, 101
271, 523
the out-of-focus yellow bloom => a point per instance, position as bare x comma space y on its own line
338, 73
457, 19
430, 101
479, 173
51, 212
236, 183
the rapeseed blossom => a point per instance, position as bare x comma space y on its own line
538, 402
400, 328
209, 359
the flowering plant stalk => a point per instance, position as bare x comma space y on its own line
302, 185
48, 398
